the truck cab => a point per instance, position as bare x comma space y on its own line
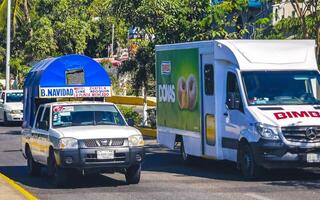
11, 107
70, 129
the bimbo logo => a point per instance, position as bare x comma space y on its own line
295, 114
165, 67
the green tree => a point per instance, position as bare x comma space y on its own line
43, 43
305, 25
20, 13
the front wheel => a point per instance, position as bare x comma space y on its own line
133, 174
56, 174
248, 166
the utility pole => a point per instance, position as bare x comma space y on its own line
112, 40
8, 45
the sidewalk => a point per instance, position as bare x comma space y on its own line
9, 190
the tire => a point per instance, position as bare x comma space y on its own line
186, 158
34, 168
5, 119
57, 175
133, 174
250, 170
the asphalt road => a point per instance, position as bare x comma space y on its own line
163, 177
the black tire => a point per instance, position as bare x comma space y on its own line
250, 170
57, 175
186, 158
5, 119
34, 168
133, 174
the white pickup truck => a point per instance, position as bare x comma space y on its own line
11, 107
87, 137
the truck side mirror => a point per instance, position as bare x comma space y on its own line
44, 125
130, 122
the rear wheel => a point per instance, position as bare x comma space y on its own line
248, 166
186, 158
56, 174
33, 167
133, 174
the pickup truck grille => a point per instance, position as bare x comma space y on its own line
305, 134
104, 142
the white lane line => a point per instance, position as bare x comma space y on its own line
257, 196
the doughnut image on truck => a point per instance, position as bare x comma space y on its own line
253, 102
69, 129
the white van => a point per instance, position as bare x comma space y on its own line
253, 102
11, 107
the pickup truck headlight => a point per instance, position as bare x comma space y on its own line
68, 143
135, 140
15, 112
268, 131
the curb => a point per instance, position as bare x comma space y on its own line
24, 192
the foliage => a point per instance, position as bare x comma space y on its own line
306, 24
43, 43
18, 13
2, 54
19, 70
141, 67
129, 113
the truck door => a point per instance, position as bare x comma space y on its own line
43, 136
208, 106
234, 119
34, 143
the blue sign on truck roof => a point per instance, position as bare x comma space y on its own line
66, 76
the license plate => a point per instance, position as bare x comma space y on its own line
313, 157
105, 155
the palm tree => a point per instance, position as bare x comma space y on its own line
20, 13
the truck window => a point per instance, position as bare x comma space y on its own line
282, 87
14, 97
39, 117
46, 114
208, 79
85, 115
233, 100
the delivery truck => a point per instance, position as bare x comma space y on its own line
69, 129
253, 102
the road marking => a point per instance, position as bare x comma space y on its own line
257, 196
24, 192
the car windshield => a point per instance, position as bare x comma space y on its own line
85, 115
282, 88
14, 97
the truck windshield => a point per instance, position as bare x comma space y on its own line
85, 115
282, 88
14, 97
